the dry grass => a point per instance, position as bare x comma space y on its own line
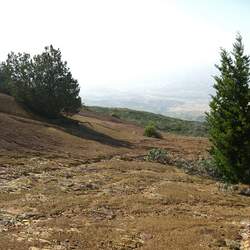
63, 190
9, 106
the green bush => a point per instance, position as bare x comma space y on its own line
158, 155
115, 115
150, 131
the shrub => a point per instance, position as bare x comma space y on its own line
115, 115
150, 131
209, 167
158, 155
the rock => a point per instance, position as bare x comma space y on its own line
44, 234
85, 187
7, 220
245, 191
146, 236
220, 243
30, 215
44, 241
91, 186
232, 244
4, 222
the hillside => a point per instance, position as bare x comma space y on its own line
163, 123
9, 106
85, 184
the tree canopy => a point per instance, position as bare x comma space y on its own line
4, 80
44, 82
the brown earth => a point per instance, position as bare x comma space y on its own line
87, 186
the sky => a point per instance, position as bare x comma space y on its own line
128, 44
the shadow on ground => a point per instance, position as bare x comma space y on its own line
81, 130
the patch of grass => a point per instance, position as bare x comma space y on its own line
162, 123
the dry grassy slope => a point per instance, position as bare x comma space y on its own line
20, 133
9, 106
83, 187
96, 136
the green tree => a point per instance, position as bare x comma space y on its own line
4, 80
44, 83
19, 68
229, 116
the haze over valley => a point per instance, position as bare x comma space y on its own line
182, 96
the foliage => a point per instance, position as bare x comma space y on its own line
163, 123
208, 166
151, 131
44, 83
115, 115
157, 154
4, 81
229, 117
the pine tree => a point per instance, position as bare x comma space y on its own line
229, 116
44, 83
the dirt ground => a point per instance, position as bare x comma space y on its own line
88, 186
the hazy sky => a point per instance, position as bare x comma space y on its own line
121, 43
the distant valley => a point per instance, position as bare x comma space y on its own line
177, 101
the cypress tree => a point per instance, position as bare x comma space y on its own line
229, 116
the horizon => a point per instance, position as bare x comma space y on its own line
134, 54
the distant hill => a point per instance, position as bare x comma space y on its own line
163, 123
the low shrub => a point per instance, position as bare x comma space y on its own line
209, 166
157, 155
151, 131
115, 115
